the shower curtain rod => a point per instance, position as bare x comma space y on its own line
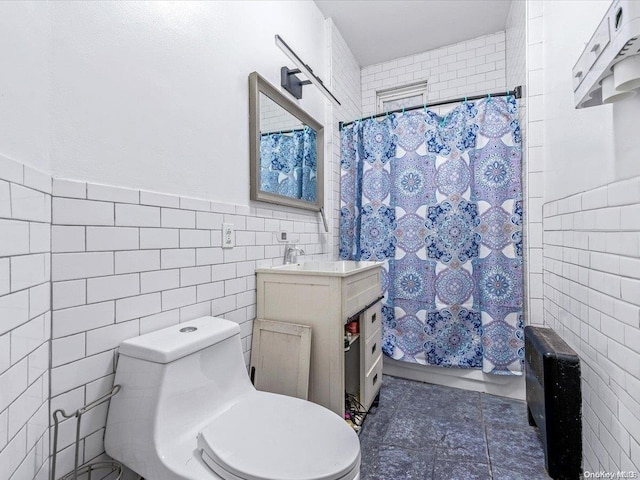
516, 92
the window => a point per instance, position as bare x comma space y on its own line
402, 97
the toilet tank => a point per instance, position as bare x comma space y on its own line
174, 381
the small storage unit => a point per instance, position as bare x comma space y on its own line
363, 360
325, 301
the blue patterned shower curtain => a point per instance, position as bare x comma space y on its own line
440, 199
288, 163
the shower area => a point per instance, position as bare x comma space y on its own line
434, 184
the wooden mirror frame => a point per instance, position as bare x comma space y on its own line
258, 85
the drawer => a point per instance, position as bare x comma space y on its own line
359, 290
372, 383
372, 350
372, 320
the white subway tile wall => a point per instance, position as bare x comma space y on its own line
592, 299
468, 68
345, 83
534, 162
25, 320
127, 262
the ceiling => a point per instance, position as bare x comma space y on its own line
381, 30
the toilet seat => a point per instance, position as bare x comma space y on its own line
273, 437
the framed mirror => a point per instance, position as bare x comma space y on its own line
286, 149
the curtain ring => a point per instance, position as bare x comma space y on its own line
488, 97
402, 110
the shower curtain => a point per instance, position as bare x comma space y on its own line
288, 163
439, 199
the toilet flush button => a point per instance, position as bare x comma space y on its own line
188, 329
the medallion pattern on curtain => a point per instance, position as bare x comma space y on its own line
440, 200
288, 163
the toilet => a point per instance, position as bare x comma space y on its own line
187, 411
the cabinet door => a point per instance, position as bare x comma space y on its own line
281, 357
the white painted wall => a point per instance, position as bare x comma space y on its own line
154, 95
24, 82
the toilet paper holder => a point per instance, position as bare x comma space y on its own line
611, 52
110, 467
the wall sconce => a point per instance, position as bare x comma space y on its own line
293, 84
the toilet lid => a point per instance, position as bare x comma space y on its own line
273, 437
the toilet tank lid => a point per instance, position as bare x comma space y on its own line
177, 341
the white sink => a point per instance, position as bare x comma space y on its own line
339, 268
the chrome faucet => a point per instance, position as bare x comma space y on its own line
291, 253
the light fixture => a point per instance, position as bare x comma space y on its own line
293, 84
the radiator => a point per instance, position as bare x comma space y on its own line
554, 400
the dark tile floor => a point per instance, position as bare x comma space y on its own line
428, 432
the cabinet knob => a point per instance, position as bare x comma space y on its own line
374, 348
375, 379
374, 317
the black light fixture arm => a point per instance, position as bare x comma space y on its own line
293, 84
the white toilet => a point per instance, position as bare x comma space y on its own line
187, 410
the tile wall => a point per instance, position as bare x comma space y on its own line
473, 67
516, 74
592, 300
534, 155
274, 118
126, 262
344, 75
25, 319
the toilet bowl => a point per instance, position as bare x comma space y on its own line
187, 411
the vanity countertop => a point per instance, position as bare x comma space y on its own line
341, 268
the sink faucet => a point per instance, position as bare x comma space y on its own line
291, 253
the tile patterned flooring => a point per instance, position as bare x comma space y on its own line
429, 432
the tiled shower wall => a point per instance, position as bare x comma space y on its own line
274, 119
344, 75
516, 74
534, 155
592, 299
126, 262
25, 210
473, 67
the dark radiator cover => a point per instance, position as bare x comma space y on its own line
554, 400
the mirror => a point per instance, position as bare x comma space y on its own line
286, 149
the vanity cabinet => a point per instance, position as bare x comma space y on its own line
325, 296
